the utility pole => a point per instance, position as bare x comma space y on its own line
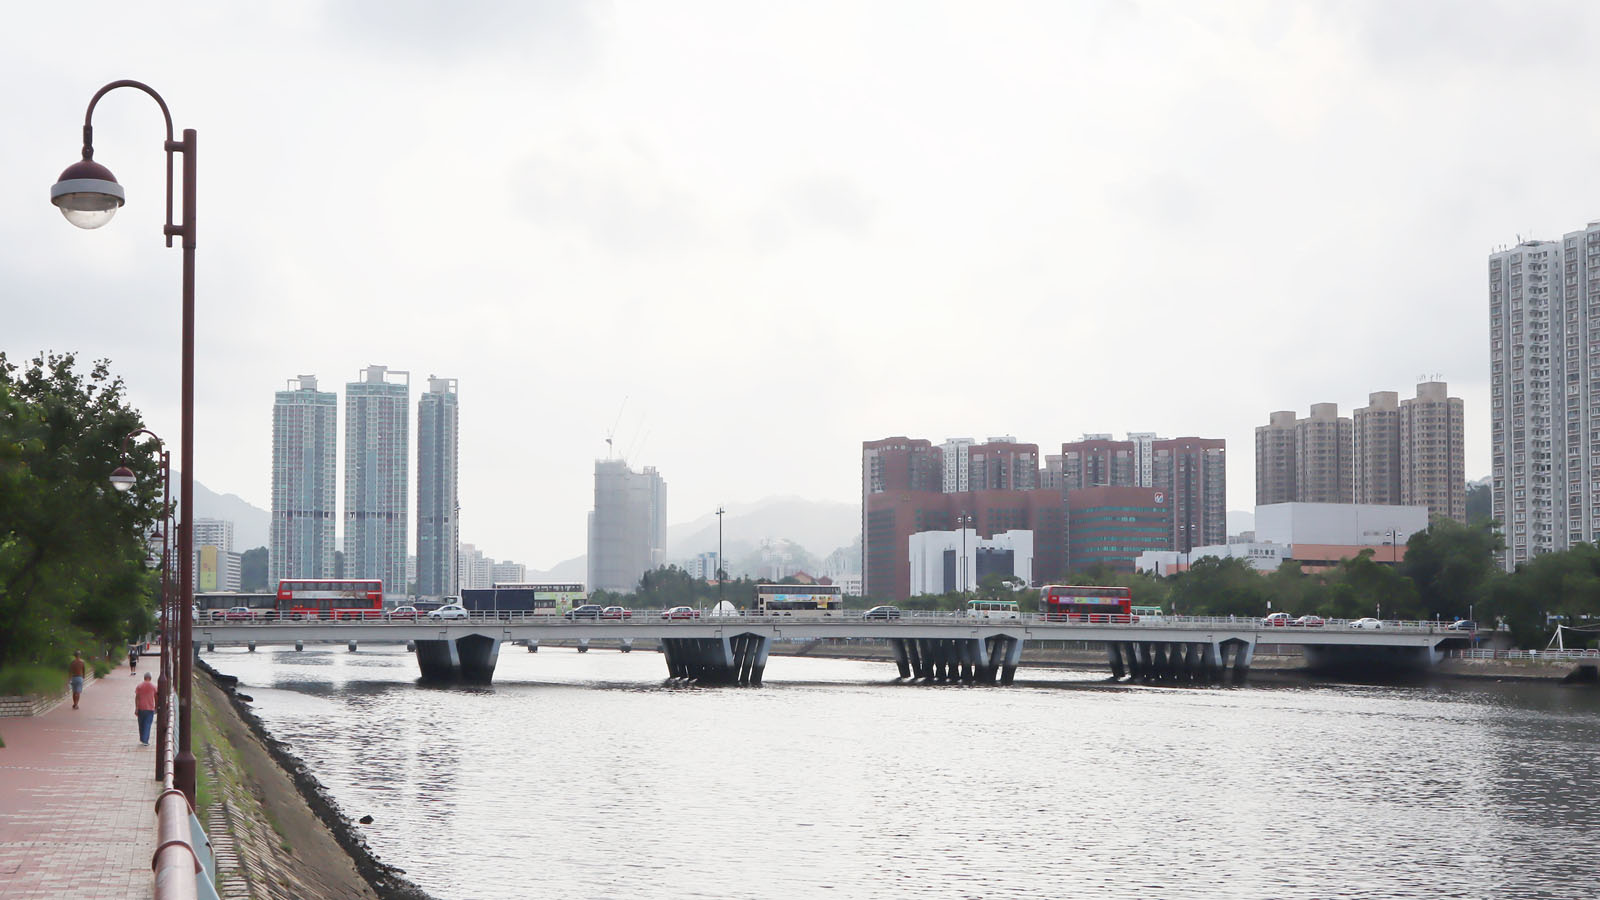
721, 569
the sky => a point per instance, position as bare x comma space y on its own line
742, 238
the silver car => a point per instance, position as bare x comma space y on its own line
1368, 622
450, 611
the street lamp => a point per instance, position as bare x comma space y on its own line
964, 520
122, 479
88, 195
720, 511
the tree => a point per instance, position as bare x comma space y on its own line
1452, 565
72, 557
253, 570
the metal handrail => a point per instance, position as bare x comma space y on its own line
175, 864
1523, 654
852, 617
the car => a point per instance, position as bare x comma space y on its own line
586, 611
886, 613
1309, 621
239, 614
1278, 619
616, 612
681, 612
403, 612
450, 611
1368, 622
1463, 625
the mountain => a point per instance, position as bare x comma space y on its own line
805, 529
817, 525
251, 524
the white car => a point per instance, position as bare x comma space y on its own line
1368, 622
450, 611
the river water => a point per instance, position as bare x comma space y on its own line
585, 775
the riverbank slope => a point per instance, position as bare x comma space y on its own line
275, 832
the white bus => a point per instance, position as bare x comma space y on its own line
799, 600
993, 609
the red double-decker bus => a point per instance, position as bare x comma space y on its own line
1087, 603
330, 598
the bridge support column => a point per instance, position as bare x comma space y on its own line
901, 660
1244, 653
351, 646
1114, 657
299, 645
471, 657
627, 645
1013, 656
252, 646
533, 645
1213, 662
583, 645
731, 659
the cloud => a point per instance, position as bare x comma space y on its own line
553, 34
613, 193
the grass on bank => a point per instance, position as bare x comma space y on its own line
229, 777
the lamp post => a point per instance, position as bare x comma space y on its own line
964, 520
89, 195
720, 511
122, 479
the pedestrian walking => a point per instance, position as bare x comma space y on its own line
144, 706
76, 670
133, 658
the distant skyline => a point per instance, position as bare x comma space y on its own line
742, 239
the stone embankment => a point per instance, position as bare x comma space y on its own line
275, 831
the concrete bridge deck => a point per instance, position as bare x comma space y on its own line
932, 646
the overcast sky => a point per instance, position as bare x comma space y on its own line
779, 230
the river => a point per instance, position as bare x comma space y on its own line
585, 775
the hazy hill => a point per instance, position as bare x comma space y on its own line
819, 527
251, 524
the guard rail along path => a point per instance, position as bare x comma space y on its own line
931, 646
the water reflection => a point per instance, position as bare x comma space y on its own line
581, 775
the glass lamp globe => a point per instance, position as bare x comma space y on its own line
122, 478
87, 194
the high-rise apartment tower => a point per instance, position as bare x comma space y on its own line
305, 478
377, 431
438, 471
1544, 393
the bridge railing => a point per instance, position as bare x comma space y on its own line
957, 618
1523, 654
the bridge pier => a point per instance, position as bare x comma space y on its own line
627, 645
1182, 661
532, 644
470, 657
730, 659
583, 645
901, 660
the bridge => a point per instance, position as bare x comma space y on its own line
927, 646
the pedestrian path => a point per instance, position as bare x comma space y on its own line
77, 798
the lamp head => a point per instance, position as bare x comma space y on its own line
87, 194
122, 478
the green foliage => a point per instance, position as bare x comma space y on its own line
72, 562
671, 586
31, 679
253, 570
1452, 566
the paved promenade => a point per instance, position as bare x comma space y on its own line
77, 798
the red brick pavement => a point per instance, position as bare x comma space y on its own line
77, 798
